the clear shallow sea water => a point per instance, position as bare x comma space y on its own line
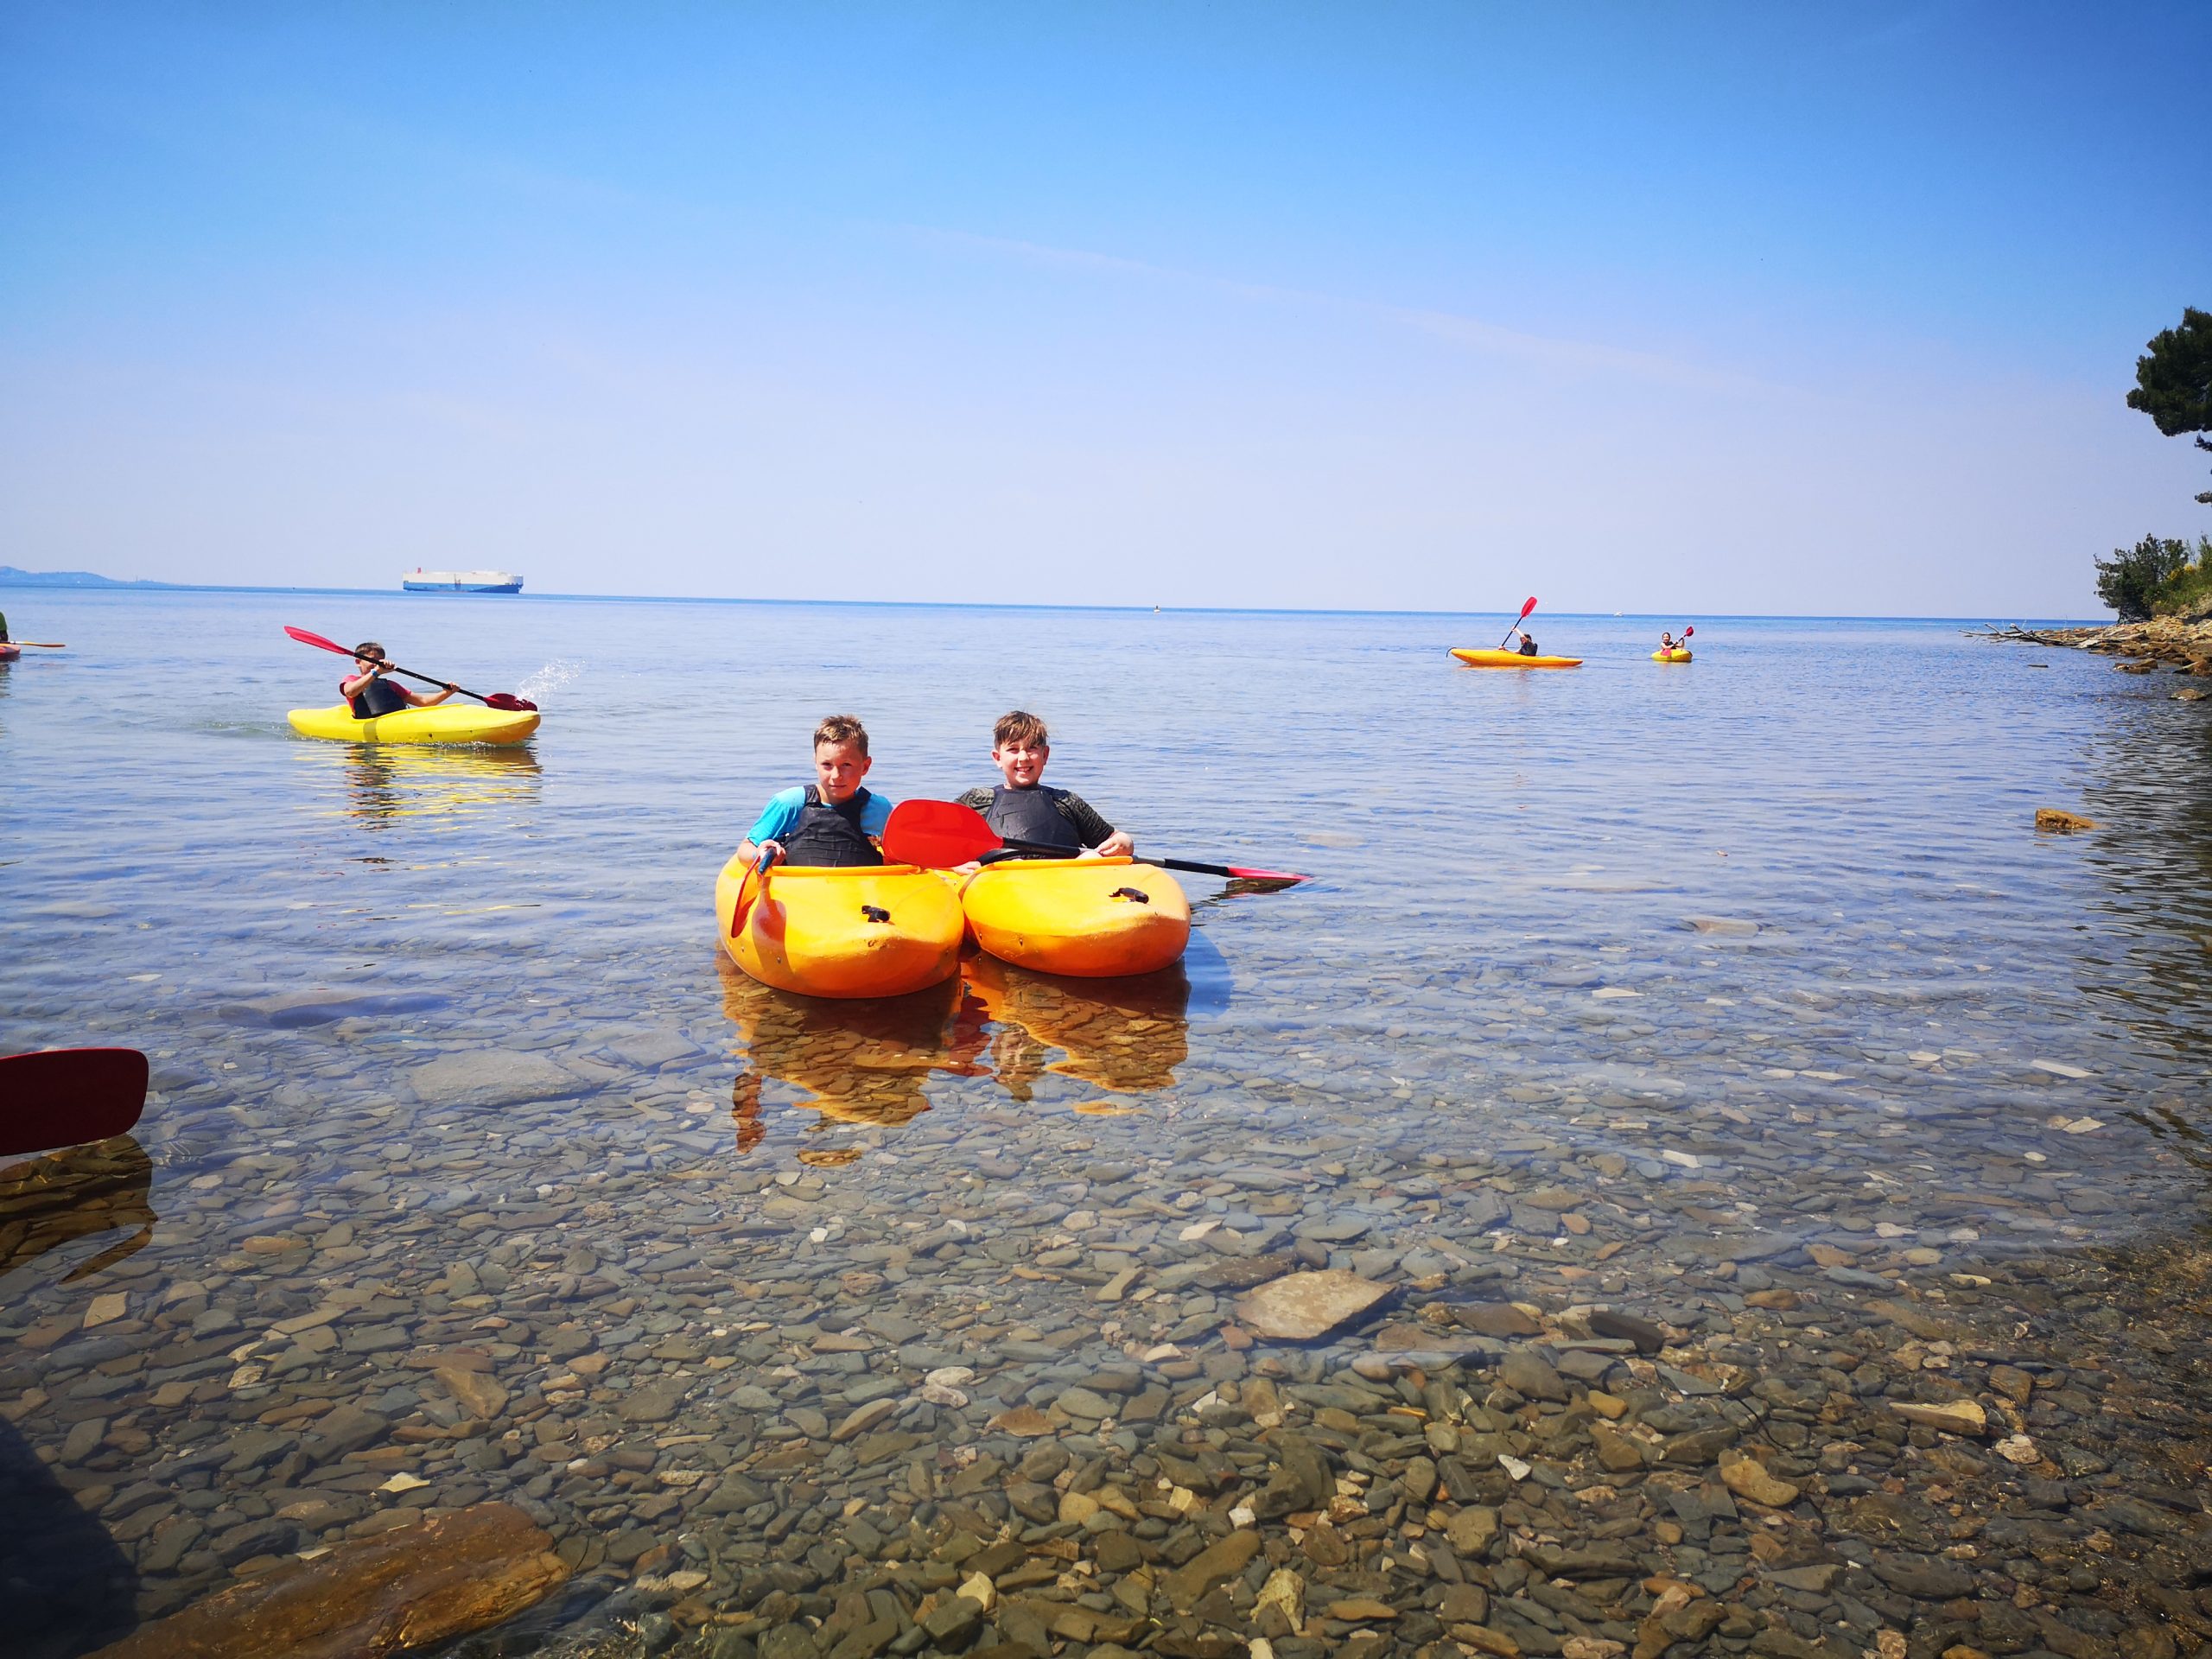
1776, 923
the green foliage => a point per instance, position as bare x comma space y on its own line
2189, 593
2173, 382
2135, 579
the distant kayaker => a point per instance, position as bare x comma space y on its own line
1528, 643
1022, 809
4, 640
370, 695
1667, 642
833, 820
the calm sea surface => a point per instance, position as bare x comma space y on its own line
1776, 925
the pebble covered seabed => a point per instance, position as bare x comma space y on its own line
1707, 1280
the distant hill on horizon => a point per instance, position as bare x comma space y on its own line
11, 577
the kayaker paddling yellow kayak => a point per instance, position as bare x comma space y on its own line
379, 711
1524, 656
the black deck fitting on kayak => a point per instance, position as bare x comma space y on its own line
1130, 892
875, 912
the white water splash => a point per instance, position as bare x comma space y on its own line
551, 677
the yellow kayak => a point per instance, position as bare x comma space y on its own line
1670, 655
1092, 917
1512, 659
872, 930
447, 723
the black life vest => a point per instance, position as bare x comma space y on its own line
1033, 815
1527, 646
378, 697
829, 833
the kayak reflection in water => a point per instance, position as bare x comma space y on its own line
75, 1194
863, 1061
1127, 1035
371, 695
872, 1061
387, 783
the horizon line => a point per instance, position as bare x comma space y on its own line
110, 584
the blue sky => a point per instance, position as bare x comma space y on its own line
1685, 307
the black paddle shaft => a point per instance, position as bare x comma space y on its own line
394, 668
1008, 845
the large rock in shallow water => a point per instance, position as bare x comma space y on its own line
492, 1077
1304, 1306
410, 1588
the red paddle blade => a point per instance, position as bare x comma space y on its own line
755, 879
1530, 606
936, 835
507, 700
1687, 631
69, 1096
308, 638
1244, 875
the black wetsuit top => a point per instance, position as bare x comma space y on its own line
378, 697
1051, 817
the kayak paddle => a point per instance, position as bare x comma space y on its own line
37, 644
497, 700
1519, 619
748, 892
937, 834
64, 1096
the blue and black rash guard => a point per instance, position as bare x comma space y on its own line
812, 831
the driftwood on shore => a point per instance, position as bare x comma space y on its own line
2186, 645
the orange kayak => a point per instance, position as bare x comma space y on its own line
1092, 917
876, 930
1512, 659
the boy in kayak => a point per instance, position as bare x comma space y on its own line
1022, 809
833, 820
1667, 642
369, 694
1528, 643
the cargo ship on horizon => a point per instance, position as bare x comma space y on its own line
420, 581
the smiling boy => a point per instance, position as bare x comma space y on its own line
1023, 809
832, 821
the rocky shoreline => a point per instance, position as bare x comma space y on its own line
1287, 1401
2184, 644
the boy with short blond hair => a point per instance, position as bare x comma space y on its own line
831, 821
1024, 809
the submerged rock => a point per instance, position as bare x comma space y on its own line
1304, 1306
405, 1589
